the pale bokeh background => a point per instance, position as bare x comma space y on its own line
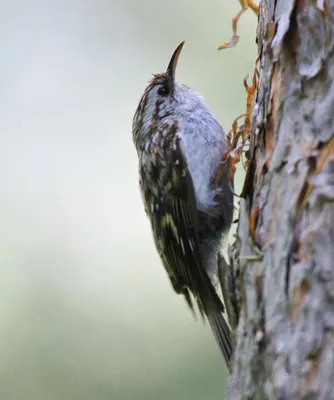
86, 309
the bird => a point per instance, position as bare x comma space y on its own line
180, 143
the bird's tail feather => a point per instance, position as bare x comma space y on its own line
222, 334
209, 302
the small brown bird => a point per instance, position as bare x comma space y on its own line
180, 145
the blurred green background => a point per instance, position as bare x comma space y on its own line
87, 311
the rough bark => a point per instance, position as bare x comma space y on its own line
283, 257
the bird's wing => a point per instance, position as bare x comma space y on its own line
171, 204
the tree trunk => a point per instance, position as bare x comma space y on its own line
283, 256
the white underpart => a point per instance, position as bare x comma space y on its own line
203, 144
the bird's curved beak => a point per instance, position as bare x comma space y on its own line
173, 62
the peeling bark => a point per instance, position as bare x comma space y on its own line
283, 257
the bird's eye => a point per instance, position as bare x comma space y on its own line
163, 90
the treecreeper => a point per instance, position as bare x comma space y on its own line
180, 145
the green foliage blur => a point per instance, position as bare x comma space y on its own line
87, 311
